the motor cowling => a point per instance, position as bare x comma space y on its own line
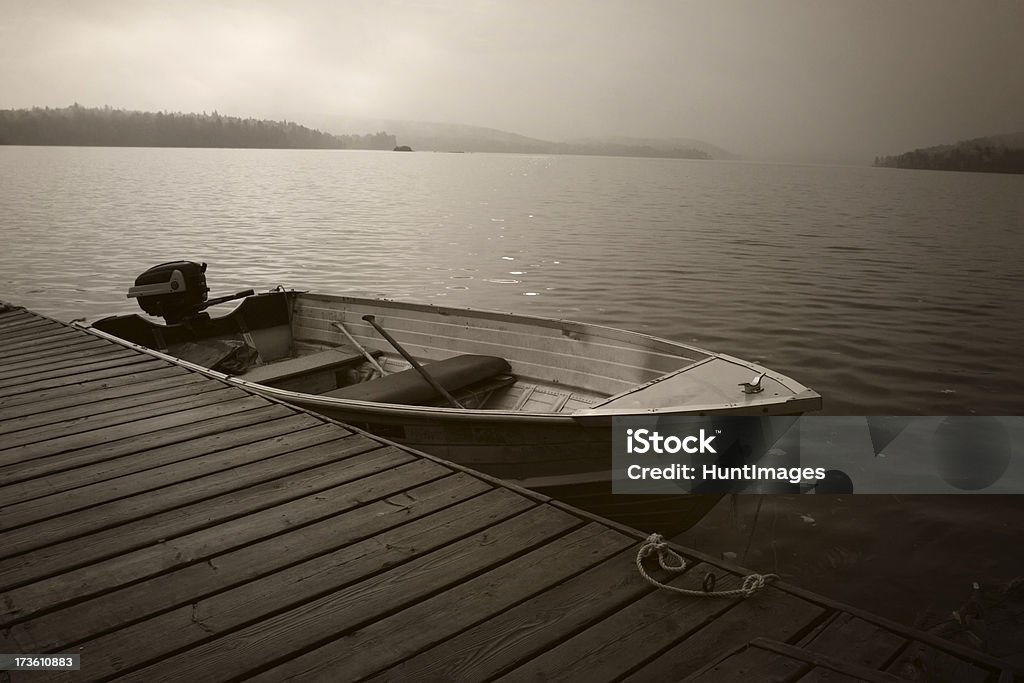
175, 290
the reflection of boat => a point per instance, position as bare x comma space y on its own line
537, 395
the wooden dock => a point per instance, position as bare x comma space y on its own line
167, 526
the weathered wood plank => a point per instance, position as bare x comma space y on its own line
38, 373
280, 636
856, 641
178, 537
922, 662
56, 362
142, 365
22, 417
137, 602
10, 321
139, 426
38, 350
159, 457
46, 340
81, 344
625, 639
767, 660
18, 317
394, 553
12, 336
68, 541
205, 422
82, 395
119, 500
218, 393
823, 675
771, 612
754, 665
388, 640
520, 633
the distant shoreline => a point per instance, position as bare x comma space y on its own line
78, 126
993, 154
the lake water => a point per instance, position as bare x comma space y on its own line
890, 292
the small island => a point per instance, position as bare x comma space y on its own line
992, 154
402, 148
105, 127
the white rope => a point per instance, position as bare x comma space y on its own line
673, 562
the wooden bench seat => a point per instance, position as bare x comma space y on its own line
303, 365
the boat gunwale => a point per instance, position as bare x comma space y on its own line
788, 405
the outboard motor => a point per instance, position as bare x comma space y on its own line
176, 291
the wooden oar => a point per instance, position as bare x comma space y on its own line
360, 348
412, 361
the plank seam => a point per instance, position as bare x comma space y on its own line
309, 647
598, 616
146, 492
183, 507
256, 577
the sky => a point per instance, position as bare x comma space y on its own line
822, 80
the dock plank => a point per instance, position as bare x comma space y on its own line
148, 643
204, 422
84, 389
101, 472
768, 661
15, 318
109, 503
310, 580
206, 395
129, 552
14, 340
16, 421
138, 365
45, 341
277, 637
136, 602
87, 348
169, 525
391, 639
856, 640
75, 404
772, 612
154, 419
80, 345
519, 634
37, 373
922, 662
32, 331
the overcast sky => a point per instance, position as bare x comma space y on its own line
789, 79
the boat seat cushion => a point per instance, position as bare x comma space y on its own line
409, 388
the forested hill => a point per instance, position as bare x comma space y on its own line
993, 154
77, 125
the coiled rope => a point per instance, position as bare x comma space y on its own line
673, 562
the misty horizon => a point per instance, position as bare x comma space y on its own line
793, 81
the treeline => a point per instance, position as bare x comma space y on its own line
82, 126
998, 154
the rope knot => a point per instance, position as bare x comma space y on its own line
668, 559
671, 561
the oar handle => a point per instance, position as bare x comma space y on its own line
412, 361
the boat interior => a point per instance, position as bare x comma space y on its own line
323, 345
